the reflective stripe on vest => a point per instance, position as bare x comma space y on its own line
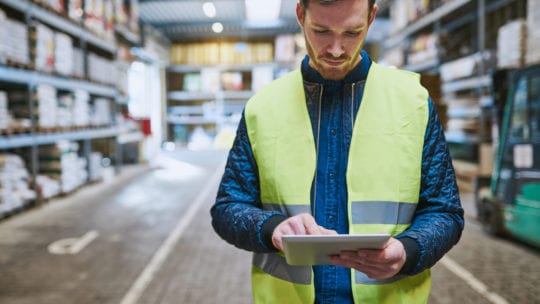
383, 176
362, 212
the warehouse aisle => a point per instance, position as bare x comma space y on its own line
143, 238
146, 238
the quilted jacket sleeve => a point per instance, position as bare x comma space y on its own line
237, 215
438, 221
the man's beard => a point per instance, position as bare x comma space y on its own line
328, 72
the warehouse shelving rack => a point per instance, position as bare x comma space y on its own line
26, 77
450, 17
465, 30
185, 108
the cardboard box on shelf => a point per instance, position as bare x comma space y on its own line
511, 44
485, 159
44, 48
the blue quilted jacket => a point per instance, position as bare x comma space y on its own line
237, 215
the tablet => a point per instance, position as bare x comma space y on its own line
317, 249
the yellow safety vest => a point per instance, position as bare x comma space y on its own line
383, 177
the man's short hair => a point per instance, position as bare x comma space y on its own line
305, 3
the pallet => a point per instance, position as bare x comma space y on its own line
48, 130
17, 65
14, 131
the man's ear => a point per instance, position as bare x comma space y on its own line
372, 14
300, 14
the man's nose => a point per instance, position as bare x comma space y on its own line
336, 48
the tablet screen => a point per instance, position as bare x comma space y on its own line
317, 249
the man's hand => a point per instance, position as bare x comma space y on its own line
376, 264
301, 224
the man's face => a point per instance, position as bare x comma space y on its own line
335, 35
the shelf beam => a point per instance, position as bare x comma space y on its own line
14, 75
469, 83
28, 140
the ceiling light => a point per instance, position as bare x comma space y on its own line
217, 27
257, 10
209, 9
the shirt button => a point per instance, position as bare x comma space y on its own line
333, 132
331, 219
331, 175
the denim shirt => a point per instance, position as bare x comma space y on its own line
333, 128
239, 219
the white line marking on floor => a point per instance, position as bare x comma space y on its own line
147, 275
473, 282
72, 245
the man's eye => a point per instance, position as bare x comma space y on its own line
320, 31
354, 34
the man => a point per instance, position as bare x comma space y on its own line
342, 146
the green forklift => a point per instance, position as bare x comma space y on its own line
511, 206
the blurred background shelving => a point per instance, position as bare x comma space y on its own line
127, 78
465, 44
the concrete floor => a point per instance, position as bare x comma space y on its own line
145, 237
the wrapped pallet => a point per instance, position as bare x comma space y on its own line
16, 44
64, 110
81, 108
511, 44
102, 114
63, 54
62, 163
4, 113
3, 36
78, 63
44, 48
95, 171
532, 55
14, 186
47, 106
75, 10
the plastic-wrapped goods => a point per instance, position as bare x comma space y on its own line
14, 189
3, 36
423, 48
102, 70
56, 5
467, 66
134, 16
78, 63
108, 19
94, 16
94, 166
121, 13
75, 10
47, 186
81, 108
44, 48
401, 13
102, 112
19, 109
532, 55
511, 44
285, 48
64, 111
4, 114
61, 162
16, 43
47, 106
63, 54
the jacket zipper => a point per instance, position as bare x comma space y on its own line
317, 151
